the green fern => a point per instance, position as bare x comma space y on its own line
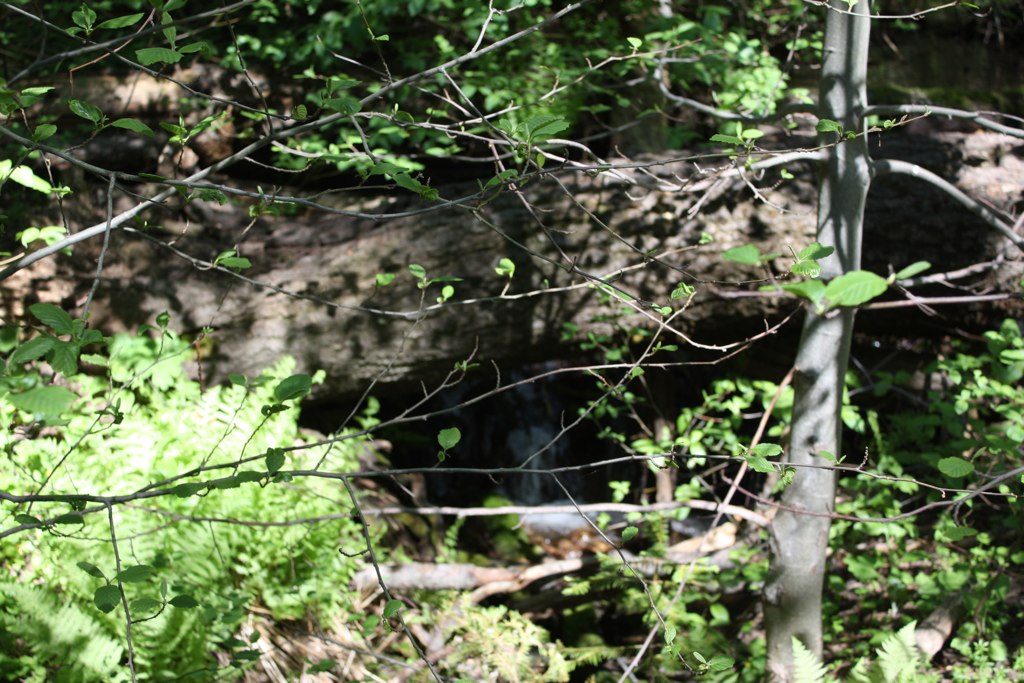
806, 667
897, 660
73, 643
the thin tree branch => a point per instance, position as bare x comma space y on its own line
995, 219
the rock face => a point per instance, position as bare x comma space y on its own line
313, 289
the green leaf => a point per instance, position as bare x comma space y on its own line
806, 268
727, 139
54, 317
44, 131
541, 128
829, 126
767, 450
85, 110
135, 574
186, 490
84, 17
345, 105
958, 533
812, 290
184, 602
42, 402
384, 279
629, 533
64, 359
275, 460
293, 387
107, 598
148, 56
418, 271
752, 134
759, 464
955, 467
121, 22
235, 262
322, 666
854, 288
634, 43
70, 518
721, 663
145, 604
506, 267
134, 125
26, 177
747, 254
299, 113
912, 270
27, 519
448, 438
682, 291
392, 608
33, 349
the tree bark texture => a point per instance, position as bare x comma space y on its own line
798, 536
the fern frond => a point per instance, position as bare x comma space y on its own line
806, 667
898, 656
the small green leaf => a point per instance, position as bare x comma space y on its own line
44, 131
384, 279
235, 262
184, 602
767, 450
392, 608
752, 134
418, 271
629, 533
186, 490
54, 317
26, 177
293, 387
90, 569
854, 288
721, 663
955, 467
682, 291
85, 110
84, 17
135, 126
912, 270
106, 598
145, 604
448, 438
747, 254
275, 460
27, 519
815, 251
322, 666
634, 43
33, 349
958, 533
506, 267
759, 464
299, 113
812, 290
148, 56
135, 574
727, 139
71, 518
806, 268
121, 22
829, 126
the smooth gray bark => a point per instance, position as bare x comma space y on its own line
799, 533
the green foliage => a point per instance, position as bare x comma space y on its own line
188, 585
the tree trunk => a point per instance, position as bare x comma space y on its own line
799, 533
